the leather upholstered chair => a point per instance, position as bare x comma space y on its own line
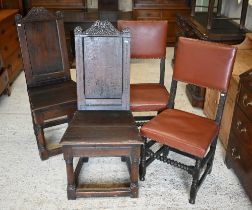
52, 93
148, 42
204, 64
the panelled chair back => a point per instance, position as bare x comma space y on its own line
52, 93
103, 79
148, 42
207, 65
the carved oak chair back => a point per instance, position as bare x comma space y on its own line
103, 67
45, 60
52, 93
201, 63
148, 42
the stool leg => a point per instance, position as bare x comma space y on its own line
71, 188
142, 169
134, 172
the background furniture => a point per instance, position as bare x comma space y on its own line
12, 4
109, 5
4, 80
62, 4
161, 10
148, 41
211, 26
103, 126
186, 133
73, 9
76, 13
9, 46
239, 154
243, 62
52, 93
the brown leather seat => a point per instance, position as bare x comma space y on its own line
205, 64
148, 97
148, 41
191, 134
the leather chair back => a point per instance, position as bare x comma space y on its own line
211, 67
153, 45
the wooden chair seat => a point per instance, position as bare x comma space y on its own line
53, 95
89, 128
182, 130
148, 97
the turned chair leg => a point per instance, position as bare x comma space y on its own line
166, 151
142, 166
210, 165
195, 182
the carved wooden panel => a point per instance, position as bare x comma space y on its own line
102, 63
42, 40
106, 83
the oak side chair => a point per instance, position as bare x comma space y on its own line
148, 41
103, 126
52, 93
202, 63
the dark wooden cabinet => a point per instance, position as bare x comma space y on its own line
56, 4
9, 45
109, 5
161, 10
12, 4
239, 151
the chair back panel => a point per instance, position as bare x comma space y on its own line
203, 63
103, 67
43, 46
148, 38
108, 82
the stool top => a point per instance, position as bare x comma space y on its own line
89, 128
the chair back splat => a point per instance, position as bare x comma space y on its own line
201, 63
52, 93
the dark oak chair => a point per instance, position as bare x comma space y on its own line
103, 126
201, 63
52, 93
148, 42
